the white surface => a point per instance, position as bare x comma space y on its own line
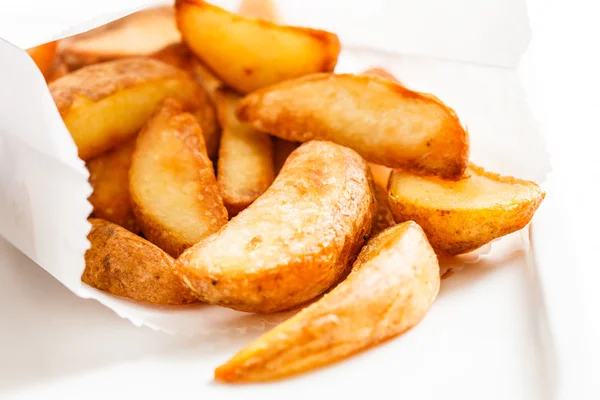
56, 345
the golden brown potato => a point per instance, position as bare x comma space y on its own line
122, 263
172, 182
282, 149
58, 70
383, 218
138, 34
245, 168
43, 56
392, 284
109, 177
381, 174
384, 122
106, 104
261, 9
295, 241
381, 73
248, 54
462, 216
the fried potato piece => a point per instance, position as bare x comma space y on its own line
381, 174
248, 54
58, 70
109, 177
106, 104
282, 149
43, 56
122, 263
245, 168
383, 217
462, 216
381, 73
384, 122
138, 34
295, 241
261, 9
172, 182
392, 284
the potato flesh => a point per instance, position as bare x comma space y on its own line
245, 169
172, 182
462, 216
265, 53
384, 122
294, 241
109, 177
392, 284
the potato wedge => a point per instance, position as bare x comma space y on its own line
248, 54
109, 177
381, 174
245, 168
43, 56
122, 263
462, 216
58, 70
282, 149
392, 284
295, 241
138, 34
383, 217
172, 182
106, 104
381, 73
384, 122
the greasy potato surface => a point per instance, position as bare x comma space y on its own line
293, 242
462, 216
381, 120
172, 182
248, 54
393, 282
109, 177
245, 169
122, 263
135, 35
105, 104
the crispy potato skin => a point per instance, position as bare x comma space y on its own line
106, 104
109, 177
265, 53
58, 70
135, 35
245, 169
43, 56
384, 122
455, 226
384, 217
295, 241
172, 182
122, 263
282, 149
393, 282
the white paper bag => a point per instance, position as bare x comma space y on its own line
465, 52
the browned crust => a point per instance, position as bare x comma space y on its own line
126, 265
286, 124
185, 126
97, 82
455, 230
292, 279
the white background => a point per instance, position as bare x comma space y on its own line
560, 74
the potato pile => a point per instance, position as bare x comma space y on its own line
231, 166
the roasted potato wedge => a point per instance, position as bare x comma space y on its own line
295, 241
172, 182
245, 168
383, 218
381, 174
248, 54
138, 34
122, 263
58, 70
43, 56
282, 149
109, 177
462, 216
106, 104
392, 284
384, 122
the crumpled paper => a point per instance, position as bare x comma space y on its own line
468, 60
